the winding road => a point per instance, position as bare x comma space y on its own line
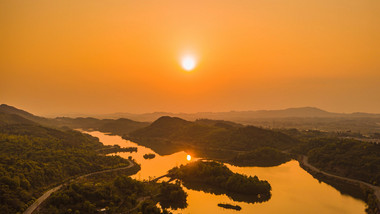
46, 195
376, 189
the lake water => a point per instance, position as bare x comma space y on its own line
293, 189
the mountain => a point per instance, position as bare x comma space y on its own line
163, 127
119, 126
292, 112
10, 110
6, 109
201, 135
9, 119
12, 115
304, 118
302, 112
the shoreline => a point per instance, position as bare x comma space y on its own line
303, 162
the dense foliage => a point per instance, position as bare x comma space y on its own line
207, 138
264, 156
214, 134
33, 157
345, 157
218, 175
172, 196
118, 195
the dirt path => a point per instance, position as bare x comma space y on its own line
46, 195
376, 189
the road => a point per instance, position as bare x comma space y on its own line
46, 195
376, 189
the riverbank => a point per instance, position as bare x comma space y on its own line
373, 200
291, 185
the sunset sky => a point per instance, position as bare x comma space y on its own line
100, 56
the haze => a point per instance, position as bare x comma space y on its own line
100, 56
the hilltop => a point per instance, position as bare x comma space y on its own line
207, 138
12, 115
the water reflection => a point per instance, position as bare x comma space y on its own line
233, 196
293, 189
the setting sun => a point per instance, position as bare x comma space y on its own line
188, 63
131, 90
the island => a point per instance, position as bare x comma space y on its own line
211, 174
230, 206
117, 148
149, 156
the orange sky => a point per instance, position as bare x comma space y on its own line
96, 56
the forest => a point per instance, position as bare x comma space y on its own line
116, 195
346, 157
33, 158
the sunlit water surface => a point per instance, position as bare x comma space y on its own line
293, 189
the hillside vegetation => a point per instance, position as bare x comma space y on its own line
217, 175
208, 138
33, 157
115, 126
118, 126
263, 156
120, 194
345, 157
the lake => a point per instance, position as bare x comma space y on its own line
293, 189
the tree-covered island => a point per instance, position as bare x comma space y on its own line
217, 175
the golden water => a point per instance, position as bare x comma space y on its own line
293, 189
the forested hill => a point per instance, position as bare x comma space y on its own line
10, 114
7, 119
10, 111
34, 157
207, 134
115, 126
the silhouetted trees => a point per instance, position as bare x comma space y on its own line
149, 156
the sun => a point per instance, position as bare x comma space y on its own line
188, 157
188, 63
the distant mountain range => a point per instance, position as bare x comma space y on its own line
302, 112
301, 118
